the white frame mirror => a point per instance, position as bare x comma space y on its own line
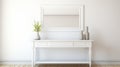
45, 10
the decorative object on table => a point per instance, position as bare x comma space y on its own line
82, 35
37, 29
85, 35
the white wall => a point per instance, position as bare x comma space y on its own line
102, 17
17, 29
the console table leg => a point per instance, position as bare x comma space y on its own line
90, 55
33, 56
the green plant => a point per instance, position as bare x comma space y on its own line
37, 26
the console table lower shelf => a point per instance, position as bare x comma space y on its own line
44, 44
62, 62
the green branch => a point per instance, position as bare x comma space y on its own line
37, 26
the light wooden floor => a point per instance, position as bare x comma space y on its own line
58, 65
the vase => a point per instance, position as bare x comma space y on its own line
86, 34
37, 36
82, 35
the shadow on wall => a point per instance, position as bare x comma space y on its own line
100, 50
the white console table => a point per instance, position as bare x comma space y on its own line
62, 44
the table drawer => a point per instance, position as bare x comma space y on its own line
41, 44
82, 44
60, 44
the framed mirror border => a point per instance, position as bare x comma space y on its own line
81, 21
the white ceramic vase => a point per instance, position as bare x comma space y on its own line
37, 36
85, 35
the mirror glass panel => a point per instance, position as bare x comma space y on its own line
61, 17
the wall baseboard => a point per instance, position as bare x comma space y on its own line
16, 62
30, 62
106, 62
